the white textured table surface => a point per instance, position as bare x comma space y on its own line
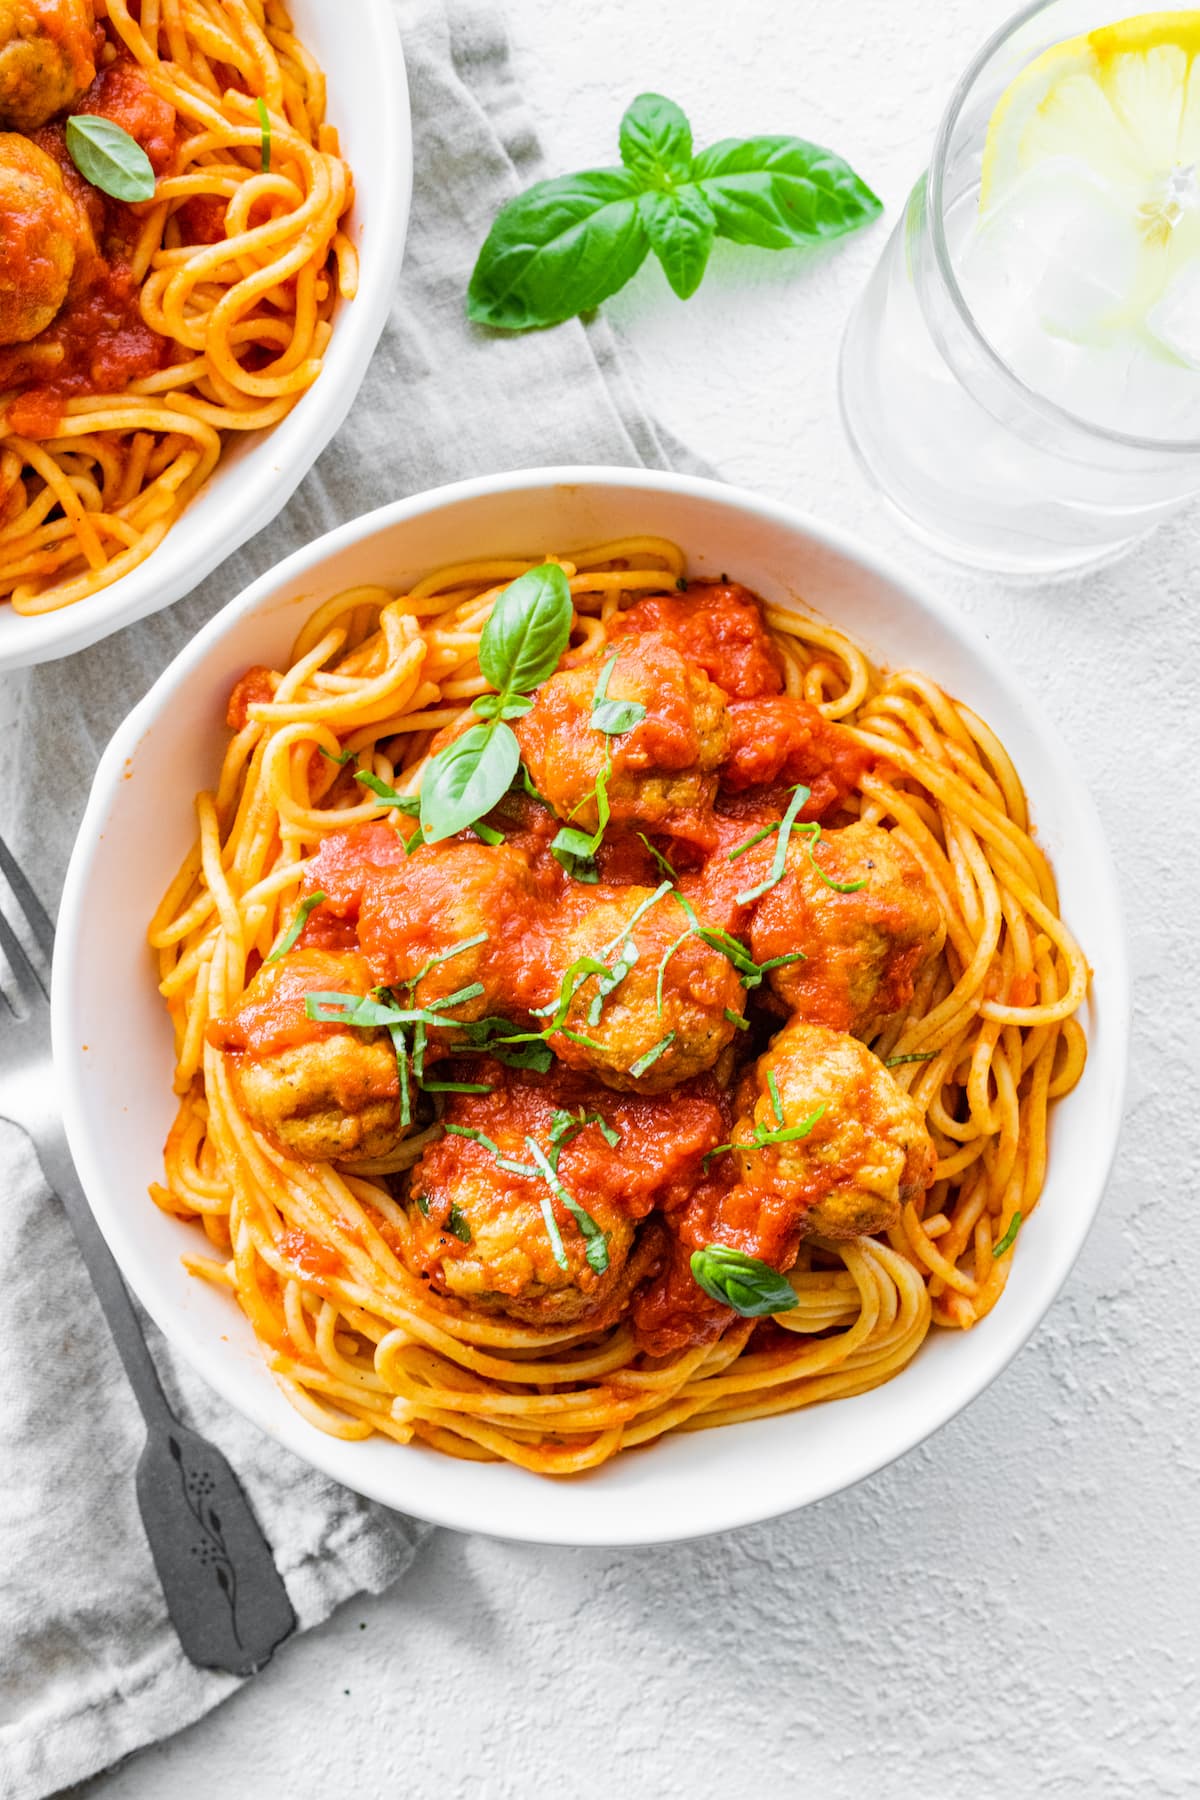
1013, 1609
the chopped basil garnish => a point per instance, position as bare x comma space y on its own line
800, 795
457, 1223
409, 804
776, 1102
597, 1246
553, 1233
755, 838
297, 925
659, 858
613, 717
751, 1287
575, 849
1009, 1238
784, 1134
813, 831
264, 124
893, 1062
652, 1055
341, 761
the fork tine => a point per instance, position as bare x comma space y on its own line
29, 983
31, 906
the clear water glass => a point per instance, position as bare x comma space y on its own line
1001, 445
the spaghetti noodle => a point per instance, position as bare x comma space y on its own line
223, 283
315, 1253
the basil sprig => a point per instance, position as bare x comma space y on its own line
752, 1287
567, 244
109, 158
527, 632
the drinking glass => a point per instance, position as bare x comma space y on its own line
1035, 473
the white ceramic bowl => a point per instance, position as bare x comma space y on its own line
258, 472
113, 1044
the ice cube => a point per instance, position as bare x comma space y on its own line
1058, 254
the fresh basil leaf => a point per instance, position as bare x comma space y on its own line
558, 249
109, 158
778, 192
681, 226
656, 140
496, 706
456, 1222
527, 632
466, 779
752, 1287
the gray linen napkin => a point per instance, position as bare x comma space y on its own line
89, 1666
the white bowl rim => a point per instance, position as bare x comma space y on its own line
313, 1446
178, 565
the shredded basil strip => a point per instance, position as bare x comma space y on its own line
813, 831
573, 848
743, 1024
756, 838
893, 1062
443, 956
1009, 1238
264, 120
409, 804
614, 717
341, 761
106, 155
776, 1102
553, 1233
746, 1283
659, 858
786, 1134
779, 862
456, 1221
363, 1011
587, 1225
297, 925
652, 1055
566, 1125
400, 1046
507, 1163
457, 1087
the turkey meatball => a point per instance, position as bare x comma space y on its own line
320, 1092
664, 1011
487, 1227
862, 949
454, 916
661, 770
40, 231
861, 1150
46, 59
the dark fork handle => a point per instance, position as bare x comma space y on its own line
225, 1597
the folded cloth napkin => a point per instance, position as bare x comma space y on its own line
89, 1665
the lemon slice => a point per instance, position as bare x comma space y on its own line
1113, 117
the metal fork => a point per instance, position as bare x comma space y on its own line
225, 1597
